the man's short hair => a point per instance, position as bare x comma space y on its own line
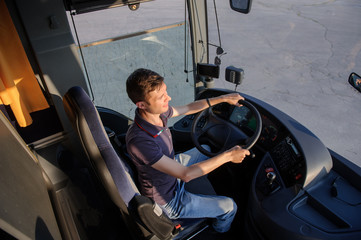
141, 82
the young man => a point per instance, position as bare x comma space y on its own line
161, 174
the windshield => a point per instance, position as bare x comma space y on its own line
296, 56
114, 42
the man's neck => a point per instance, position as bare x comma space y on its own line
151, 118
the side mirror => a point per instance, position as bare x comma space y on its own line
242, 6
234, 75
355, 81
208, 70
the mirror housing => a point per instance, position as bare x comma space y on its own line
208, 70
234, 75
355, 81
242, 6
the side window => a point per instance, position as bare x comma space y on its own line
113, 47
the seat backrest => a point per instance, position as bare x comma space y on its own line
103, 158
137, 211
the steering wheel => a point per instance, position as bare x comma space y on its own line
221, 133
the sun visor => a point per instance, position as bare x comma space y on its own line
84, 6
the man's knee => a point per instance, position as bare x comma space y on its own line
233, 206
223, 222
229, 206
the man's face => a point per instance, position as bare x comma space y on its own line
157, 100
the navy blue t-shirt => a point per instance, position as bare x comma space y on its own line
147, 144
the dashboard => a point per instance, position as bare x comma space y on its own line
289, 175
286, 157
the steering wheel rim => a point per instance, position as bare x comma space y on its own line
208, 113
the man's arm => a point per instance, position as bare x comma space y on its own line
175, 169
202, 104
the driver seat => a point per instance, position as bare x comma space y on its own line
143, 217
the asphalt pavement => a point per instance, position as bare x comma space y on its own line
297, 56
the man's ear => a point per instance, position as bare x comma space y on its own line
140, 104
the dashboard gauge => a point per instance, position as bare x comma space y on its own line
269, 134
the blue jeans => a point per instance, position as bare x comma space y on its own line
189, 205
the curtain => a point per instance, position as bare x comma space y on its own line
19, 87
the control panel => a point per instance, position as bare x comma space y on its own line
289, 161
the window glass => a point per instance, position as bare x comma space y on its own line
115, 42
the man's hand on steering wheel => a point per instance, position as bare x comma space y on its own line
238, 154
232, 99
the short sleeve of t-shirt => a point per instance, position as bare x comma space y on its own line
149, 152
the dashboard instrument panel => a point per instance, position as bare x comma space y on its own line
274, 139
